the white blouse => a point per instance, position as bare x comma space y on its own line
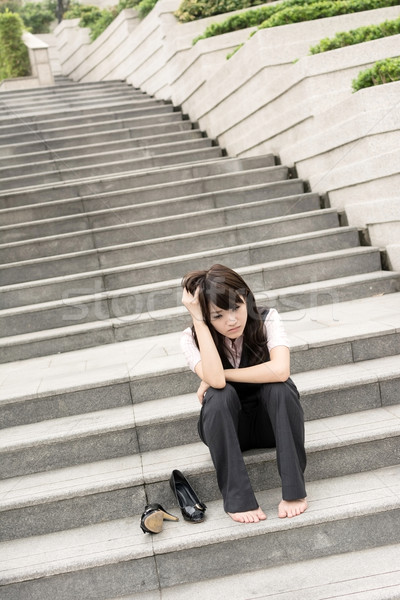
274, 331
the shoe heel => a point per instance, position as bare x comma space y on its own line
168, 517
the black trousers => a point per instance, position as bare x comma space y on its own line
228, 426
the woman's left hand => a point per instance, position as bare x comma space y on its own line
202, 390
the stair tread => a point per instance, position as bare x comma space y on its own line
130, 142
332, 499
329, 324
158, 204
63, 161
276, 264
268, 296
332, 231
151, 466
65, 118
371, 574
184, 159
166, 170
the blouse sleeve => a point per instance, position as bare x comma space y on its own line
189, 349
276, 334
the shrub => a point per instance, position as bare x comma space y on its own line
145, 6
99, 25
37, 16
250, 18
323, 9
357, 36
383, 71
292, 11
14, 58
97, 20
190, 10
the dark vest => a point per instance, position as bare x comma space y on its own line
247, 392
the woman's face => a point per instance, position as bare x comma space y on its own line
230, 323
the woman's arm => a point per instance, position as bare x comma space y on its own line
275, 370
210, 368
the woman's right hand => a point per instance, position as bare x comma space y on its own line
192, 304
201, 391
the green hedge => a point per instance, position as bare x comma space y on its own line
37, 16
97, 20
291, 11
249, 18
357, 36
14, 58
383, 71
190, 10
323, 9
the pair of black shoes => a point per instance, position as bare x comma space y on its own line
192, 508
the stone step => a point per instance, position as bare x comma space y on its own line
54, 91
174, 245
108, 108
153, 321
156, 266
64, 122
71, 100
115, 558
153, 368
113, 151
55, 172
178, 211
141, 304
135, 122
155, 184
371, 574
107, 331
133, 135
15, 321
48, 501
110, 215
105, 160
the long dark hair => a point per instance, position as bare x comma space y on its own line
225, 288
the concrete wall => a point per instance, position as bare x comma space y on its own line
271, 96
41, 72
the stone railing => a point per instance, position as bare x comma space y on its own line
271, 96
40, 66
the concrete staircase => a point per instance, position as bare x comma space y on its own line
107, 198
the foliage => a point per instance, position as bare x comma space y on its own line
250, 18
97, 20
383, 71
191, 10
228, 56
145, 6
14, 58
291, 11
323, 9
357, 36
10, 6
36, 16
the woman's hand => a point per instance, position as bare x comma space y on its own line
202, 390
192, 304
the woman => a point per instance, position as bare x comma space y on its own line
241, 355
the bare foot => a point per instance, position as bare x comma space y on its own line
291, 508
250, 516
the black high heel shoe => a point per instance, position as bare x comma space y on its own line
191, 507
153, 517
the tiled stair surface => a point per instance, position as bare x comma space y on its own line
107, 198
